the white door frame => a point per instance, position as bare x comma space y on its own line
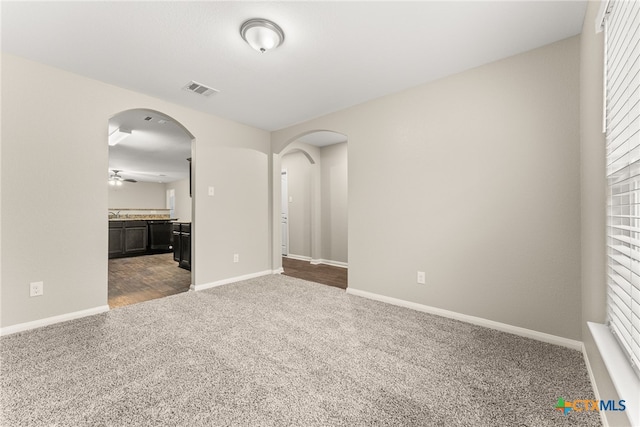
284, 212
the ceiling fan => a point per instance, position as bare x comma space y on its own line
116, 179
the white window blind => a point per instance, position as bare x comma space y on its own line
622, 46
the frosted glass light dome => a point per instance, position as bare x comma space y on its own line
261, 34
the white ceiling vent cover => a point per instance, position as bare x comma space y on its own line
200, 89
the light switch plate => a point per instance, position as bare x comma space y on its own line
421, 278
211, 191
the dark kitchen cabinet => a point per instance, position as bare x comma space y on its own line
175, 241
127, 238
135, 237
185, 248
116, 238
182, 244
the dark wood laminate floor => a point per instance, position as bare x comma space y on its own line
146, 277
321, 273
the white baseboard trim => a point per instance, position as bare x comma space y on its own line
318, 261
20, 327
278, 271
330, 262
231, 280
516, 330
298, 257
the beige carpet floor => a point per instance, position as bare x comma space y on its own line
279, 351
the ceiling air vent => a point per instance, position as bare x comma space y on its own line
200, 89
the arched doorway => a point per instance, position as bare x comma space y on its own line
316, 208
149, 182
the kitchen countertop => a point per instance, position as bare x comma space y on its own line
143, 219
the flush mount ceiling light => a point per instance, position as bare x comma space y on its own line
118, 135
262, 34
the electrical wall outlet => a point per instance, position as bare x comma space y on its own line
36, 289
236, 258
421, 278
212, 191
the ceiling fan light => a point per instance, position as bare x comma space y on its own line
118, 135
115, 181
262, 34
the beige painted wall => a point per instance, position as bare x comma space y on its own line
182, 199
475, 180
593, 196
137, 195
55, 224
334, 210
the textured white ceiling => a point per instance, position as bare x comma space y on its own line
156, 151
336, 54
323, 138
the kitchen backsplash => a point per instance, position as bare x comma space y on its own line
115, 213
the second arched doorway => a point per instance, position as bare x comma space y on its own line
314, 209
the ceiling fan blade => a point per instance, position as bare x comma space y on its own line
130, 180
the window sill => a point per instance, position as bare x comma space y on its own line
622, 375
